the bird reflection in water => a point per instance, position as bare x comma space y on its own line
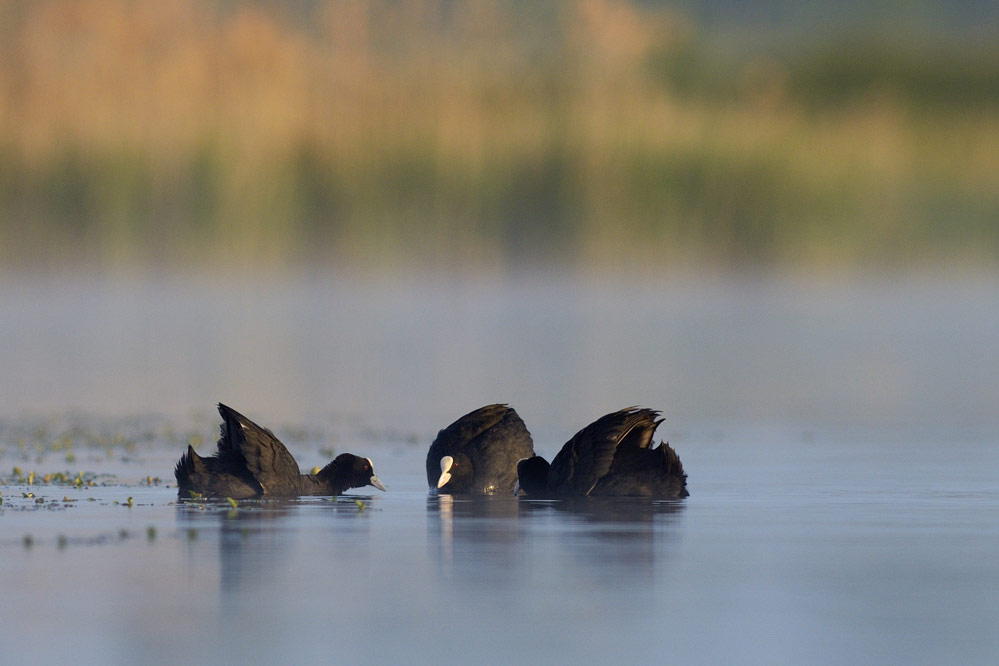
490, 537
256, 539
480, 532
626, 535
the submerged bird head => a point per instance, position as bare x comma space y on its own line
532, 476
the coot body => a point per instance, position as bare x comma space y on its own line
478, 453
251, 462
613, 456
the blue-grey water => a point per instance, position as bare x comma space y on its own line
840, 437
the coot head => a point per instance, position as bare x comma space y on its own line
532, 476
456, 474
350, 471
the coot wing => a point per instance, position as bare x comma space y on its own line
266, 458
587, 457
671, 461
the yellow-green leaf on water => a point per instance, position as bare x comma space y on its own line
360, 505
193, 495
31, 478
233, 503
131, 503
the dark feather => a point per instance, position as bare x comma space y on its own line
250, 462
588, 456
268, 461
613, 457
490, 440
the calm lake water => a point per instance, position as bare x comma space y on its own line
841, 441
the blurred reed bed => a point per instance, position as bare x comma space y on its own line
596, 133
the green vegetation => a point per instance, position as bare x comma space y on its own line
597, 133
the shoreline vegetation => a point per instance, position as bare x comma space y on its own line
598, 133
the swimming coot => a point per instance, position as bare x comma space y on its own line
252, 462
613, 456
478, 453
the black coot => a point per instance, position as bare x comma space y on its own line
478, 453
613, 456
252, 462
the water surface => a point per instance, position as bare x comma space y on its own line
840, 442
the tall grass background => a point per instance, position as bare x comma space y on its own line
487, 135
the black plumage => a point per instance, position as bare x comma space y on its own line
613, 456
251, 462
478, 453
